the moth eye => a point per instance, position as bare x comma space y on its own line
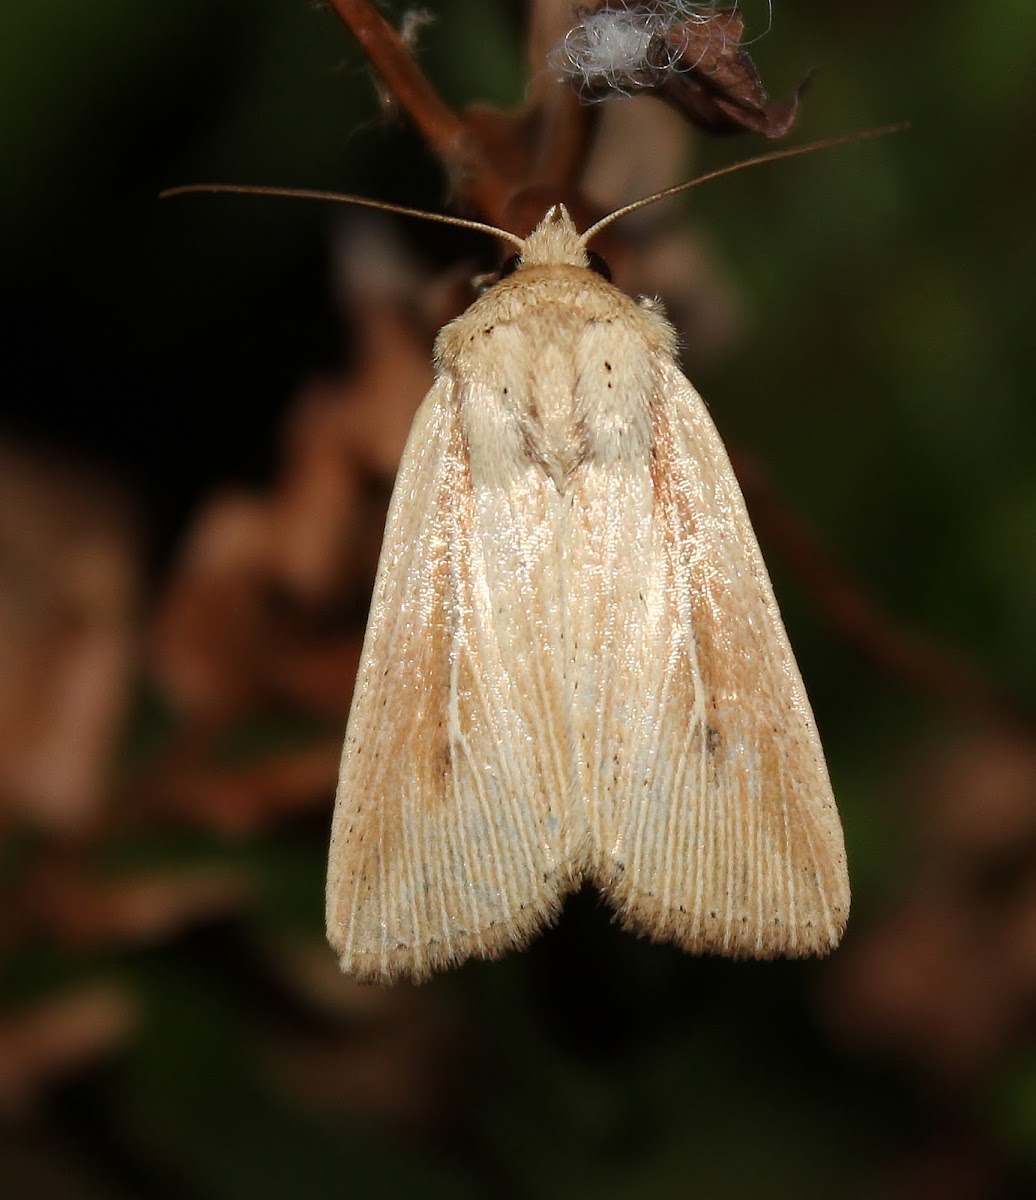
599, 266
509, 267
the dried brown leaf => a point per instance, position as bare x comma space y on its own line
311, 975
241, 802
68, 593
80, 911
392, 1059
318, 675
214, 622
977, 794
944, 984
252, 613
394, 1078
716, 85
693, 60
60, 1037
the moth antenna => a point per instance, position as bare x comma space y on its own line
341, 198
732, 168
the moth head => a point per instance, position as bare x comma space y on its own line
555, 241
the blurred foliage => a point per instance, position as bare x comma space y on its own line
171, 1023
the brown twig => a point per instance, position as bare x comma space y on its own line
442, 128
859, 618
564, 122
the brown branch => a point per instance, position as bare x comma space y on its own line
565, 124
918, 661
442, 128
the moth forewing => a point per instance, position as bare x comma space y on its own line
575, 667
442, 844
716, 826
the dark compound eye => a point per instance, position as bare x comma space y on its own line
509, 267
599, 266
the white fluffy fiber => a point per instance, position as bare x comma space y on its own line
609, 48
620, 48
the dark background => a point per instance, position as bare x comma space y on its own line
882, 373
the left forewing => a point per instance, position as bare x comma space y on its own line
445, 841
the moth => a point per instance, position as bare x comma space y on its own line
575, 669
